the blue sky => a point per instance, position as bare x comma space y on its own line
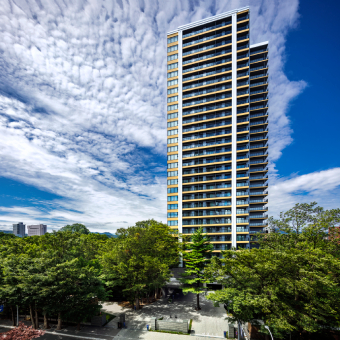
82, 106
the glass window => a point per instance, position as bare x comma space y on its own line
172, 82
172, 107
173, 99
172, 74
172, 157
172, 173
172, 198
173, 39
171, 124
173, 57
172, 181
172, 214
172, 148
172, 48
172, 132
174, 90
172, 223
172, 206
172, 190
172, 165
173, 115
172, 140
171, 66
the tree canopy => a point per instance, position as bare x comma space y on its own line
76, 228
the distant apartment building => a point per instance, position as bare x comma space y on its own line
19, 229
36, 230
6, 231
217, 136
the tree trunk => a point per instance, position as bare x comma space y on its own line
137, 303
59, 322
78, 326
148, 297
13, 319
46, 324
36, 317
32, 317
198, 302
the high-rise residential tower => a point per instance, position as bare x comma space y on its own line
19, 229
217, 130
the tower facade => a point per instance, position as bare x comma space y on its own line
19, 229
217, 130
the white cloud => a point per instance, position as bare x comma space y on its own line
82, 101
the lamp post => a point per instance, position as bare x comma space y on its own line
266, 327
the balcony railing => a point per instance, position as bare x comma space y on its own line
258, 138
258, 177
258, 216
242, 28
207, 56
210, 37
206, 135
243, 74
243, 37
258, 99
258, 68
259, 130
258, 59
242, 47
205, 126
207, 108
258, 162
259, 154
258, 185
206, 74
259, 76
206, 82
253, 115
222, 61
241, 56
207, 99
207, 47
258, 91
205, 91
258, 51
242, 18
207, 29
258, 208
259, 83
255, 193
254, 224
242, 65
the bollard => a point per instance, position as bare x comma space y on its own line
147, 327
225, 334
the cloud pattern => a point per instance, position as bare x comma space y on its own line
82, 102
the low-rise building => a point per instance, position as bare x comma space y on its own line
36, 230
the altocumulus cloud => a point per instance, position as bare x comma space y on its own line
82, 101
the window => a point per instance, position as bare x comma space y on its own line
174, 90
172, 74
173, 107
171, 124
172, 157
171, 66
172, 190
173, 115
172, 99
172, 48
172, 173
172, 148
172, 198
172, 132
172, 223
172, 181
172, 165
172, 214
173, 82
172, 57
172, 140
173, 39
172, 206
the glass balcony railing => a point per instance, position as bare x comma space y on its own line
258, 185
207, 161
259, 75
207, 82
259, 169
206, 187
200, 170
207, 134
258, 83
258, 162
242, 28
258, 154
222, 61
253, 115
258, 138
210, 37
207, 108
206, 91
241, 56
205, 29
259, 51
207, 99
258, 68
258, 59
207, 117
242, 65
207, 56
206, 126
258, 91
243, 37
206, 143
259, 130
206, 74
207, 47
242, 47
255, 193
240, 93
258, 208
242, 74
258, 177
258, 99
242, 18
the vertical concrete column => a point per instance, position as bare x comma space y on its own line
234, 129
180, 130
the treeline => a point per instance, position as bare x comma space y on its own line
65, 274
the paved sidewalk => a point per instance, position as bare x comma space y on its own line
209, 320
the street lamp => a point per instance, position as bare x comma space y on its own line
266, 327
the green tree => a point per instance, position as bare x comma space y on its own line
292, 283
76, 228
195, 259
140, 259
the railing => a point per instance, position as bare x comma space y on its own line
207, 161
242, 120
205, 126
206, 29
207, 135
258, 185
205, 144
207, 56
258, 91
206, 74
258, 177
253, 115
242, 18
242, 229
242, 166
205, 91
258, 51
193, 180
241, 56
258, 68
196, 171
206, 100
207, 38
243, 110
207, 108
258, 107
255, 193
240, 93
242, 175
242, 28
258, 130
242, 65
210, 116
259, 201
258, 224
258, 216
259, 208
206, 82
258, 99
243, 74
259, 76
258, 83
258, 138
243, 37
207, 65
242, 47
259, 154
257, 146
259, 169
222, 43
258, 162
258, 59
241, 83
244, 101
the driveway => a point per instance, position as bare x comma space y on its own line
209, 320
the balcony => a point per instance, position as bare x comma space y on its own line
259, 51
222, 61
258, 138
206, 74
243, 37
241, 18
259, 130
242, 229
258, 177
242, 65
258, 59
206, 187
207, 47
203, 117
205, 152
206, 179
206, 213
258, 68
241, 56
207, 99
259, 122
259, 75
258, 154
258, 216
207, 56
241, 93
207, 82
258, 208
259, 161
258, 99
226, 238
206, 91
207, 108
242, 28
259, 83
258, 185
256, 193
264, 200
253, 115
207, 29
206, 126
242, 47
258, 91
255, 224
242, 166
206, 161
207, 38
243, 74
